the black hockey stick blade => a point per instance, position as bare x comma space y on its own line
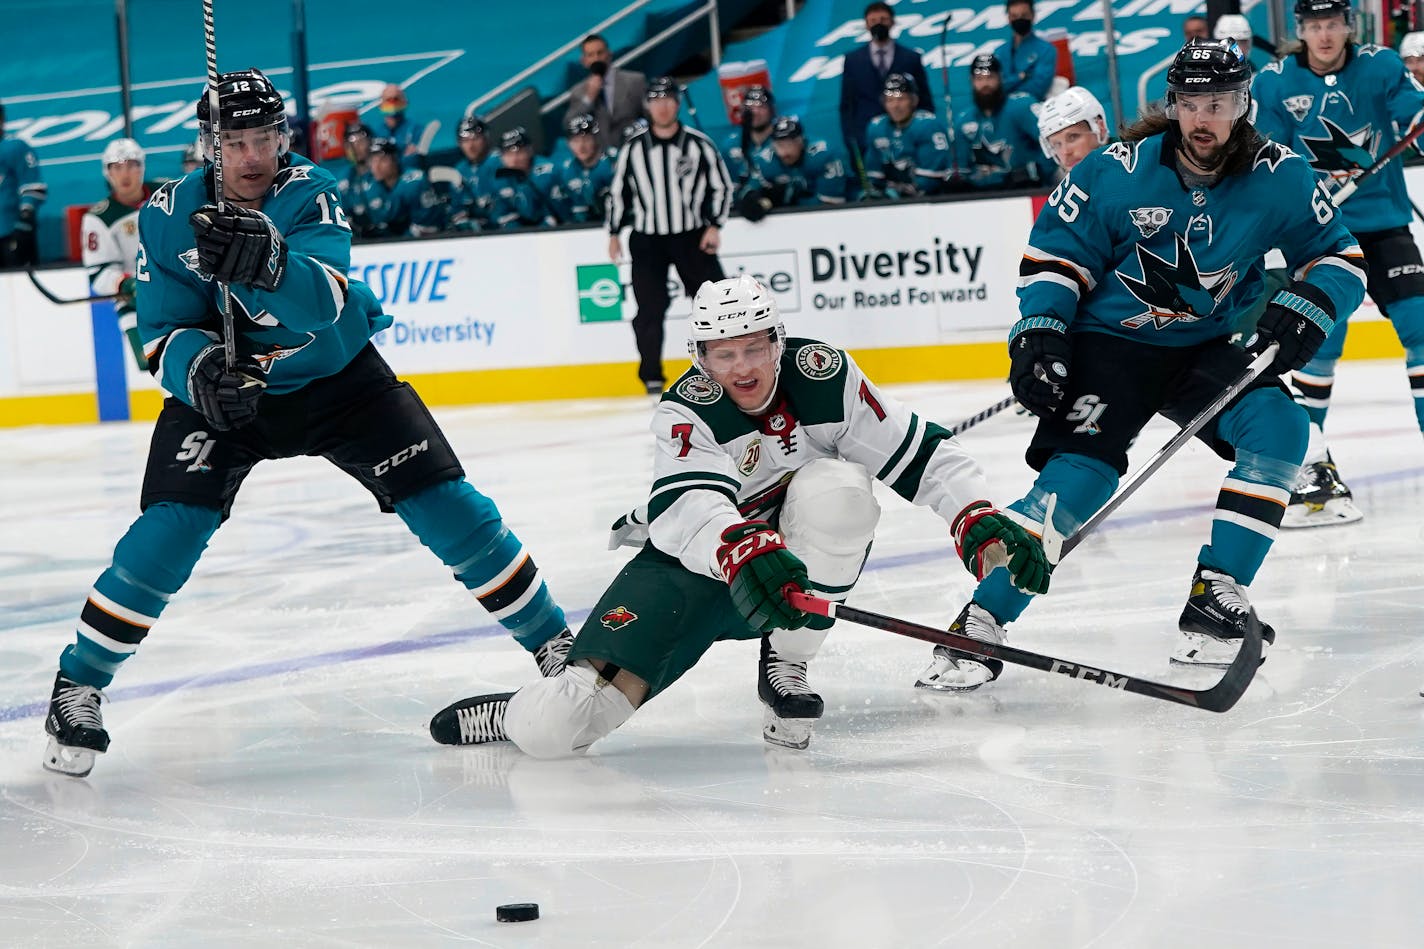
62, 301
1219, 698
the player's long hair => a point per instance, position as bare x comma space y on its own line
1237, 156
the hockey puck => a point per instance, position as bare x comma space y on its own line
516, 912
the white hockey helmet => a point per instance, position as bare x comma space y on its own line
1412, 45
1071, 106
1232, 26
731, 307
122, 150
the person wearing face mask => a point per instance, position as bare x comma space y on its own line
613, 96
863, 77
1030, 61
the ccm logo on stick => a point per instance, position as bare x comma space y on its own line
1084, 672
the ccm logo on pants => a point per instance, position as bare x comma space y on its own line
400, 457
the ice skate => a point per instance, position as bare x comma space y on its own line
953, 670
1319, 498
76, 728
791, 706
551, 656
1214, 621
472, 721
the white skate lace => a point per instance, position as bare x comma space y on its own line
787, 678
482, 723
79, 706
1226, 591
552, 656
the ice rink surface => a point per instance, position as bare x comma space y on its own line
271, 780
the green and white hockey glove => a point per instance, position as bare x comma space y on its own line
757, 566
985, 538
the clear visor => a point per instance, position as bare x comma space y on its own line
1230, 105
719, 357
266, 143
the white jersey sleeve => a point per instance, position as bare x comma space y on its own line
694, 494
102, 256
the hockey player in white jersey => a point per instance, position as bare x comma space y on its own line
109, 235
765, 450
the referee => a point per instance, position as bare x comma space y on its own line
671, 185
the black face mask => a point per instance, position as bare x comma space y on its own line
1022, 27
598, 67
880, 32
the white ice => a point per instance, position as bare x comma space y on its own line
271, 780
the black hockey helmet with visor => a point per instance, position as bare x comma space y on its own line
246, 100
1210, 68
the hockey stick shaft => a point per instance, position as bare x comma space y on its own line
1397, 149
691, 107
1219, 698
210, 47
978, 417
62, 301
1057, 547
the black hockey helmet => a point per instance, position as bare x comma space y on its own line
357, 130
985, 64
385, 146
470, 126
758, 95
1319, 9
514, 138
582, 124
787, 126
246, 100
1209, 67
662, 87
899, 84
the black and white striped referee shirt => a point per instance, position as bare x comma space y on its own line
669, 186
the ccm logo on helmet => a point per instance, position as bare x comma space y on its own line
241, 112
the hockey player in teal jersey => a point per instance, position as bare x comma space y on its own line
515, 200
996, 139
389, 202
908, 150
21, 194
579, 182
798, 173
1341, 106
306, 381
751, 141
1134, 272
476, 168
354, 165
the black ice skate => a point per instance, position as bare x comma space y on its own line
953, 670
1215, 620
791, 706
472, 721
551, 656
1319, 498
76, 728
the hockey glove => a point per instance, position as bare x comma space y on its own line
1299, 317
127, 293
23, 245
757, 566
226, 398
754, 205
239, 246
985, 538
1040, 356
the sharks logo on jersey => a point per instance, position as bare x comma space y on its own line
190, 260
1341, 153
992, 155
1298, 106
1150, 220
290, 174
1175, 290
1124, 152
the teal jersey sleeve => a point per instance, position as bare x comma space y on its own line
1070, 247
1319, 249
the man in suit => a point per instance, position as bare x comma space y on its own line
613, 96
864, 75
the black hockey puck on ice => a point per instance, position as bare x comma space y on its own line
516, 912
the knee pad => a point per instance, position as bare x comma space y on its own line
1081, 484
563, 715
1265, 425
828, 520
157, 554
452, 519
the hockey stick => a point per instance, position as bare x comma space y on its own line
1056, 546
944, 69
691, 106
61, 301
427, 137
988, 413
210, 46
1395, 150
1219, 698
